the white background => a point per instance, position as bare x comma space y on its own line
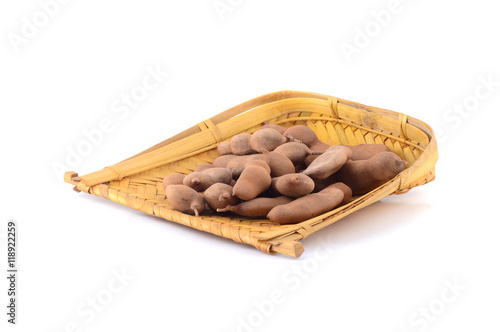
423, 261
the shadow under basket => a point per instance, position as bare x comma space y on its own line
137, 181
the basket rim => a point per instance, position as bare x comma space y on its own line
286, 95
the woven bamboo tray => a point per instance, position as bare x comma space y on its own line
137, 181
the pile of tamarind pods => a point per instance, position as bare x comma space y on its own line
284, 174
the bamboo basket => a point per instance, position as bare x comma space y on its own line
137, 181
